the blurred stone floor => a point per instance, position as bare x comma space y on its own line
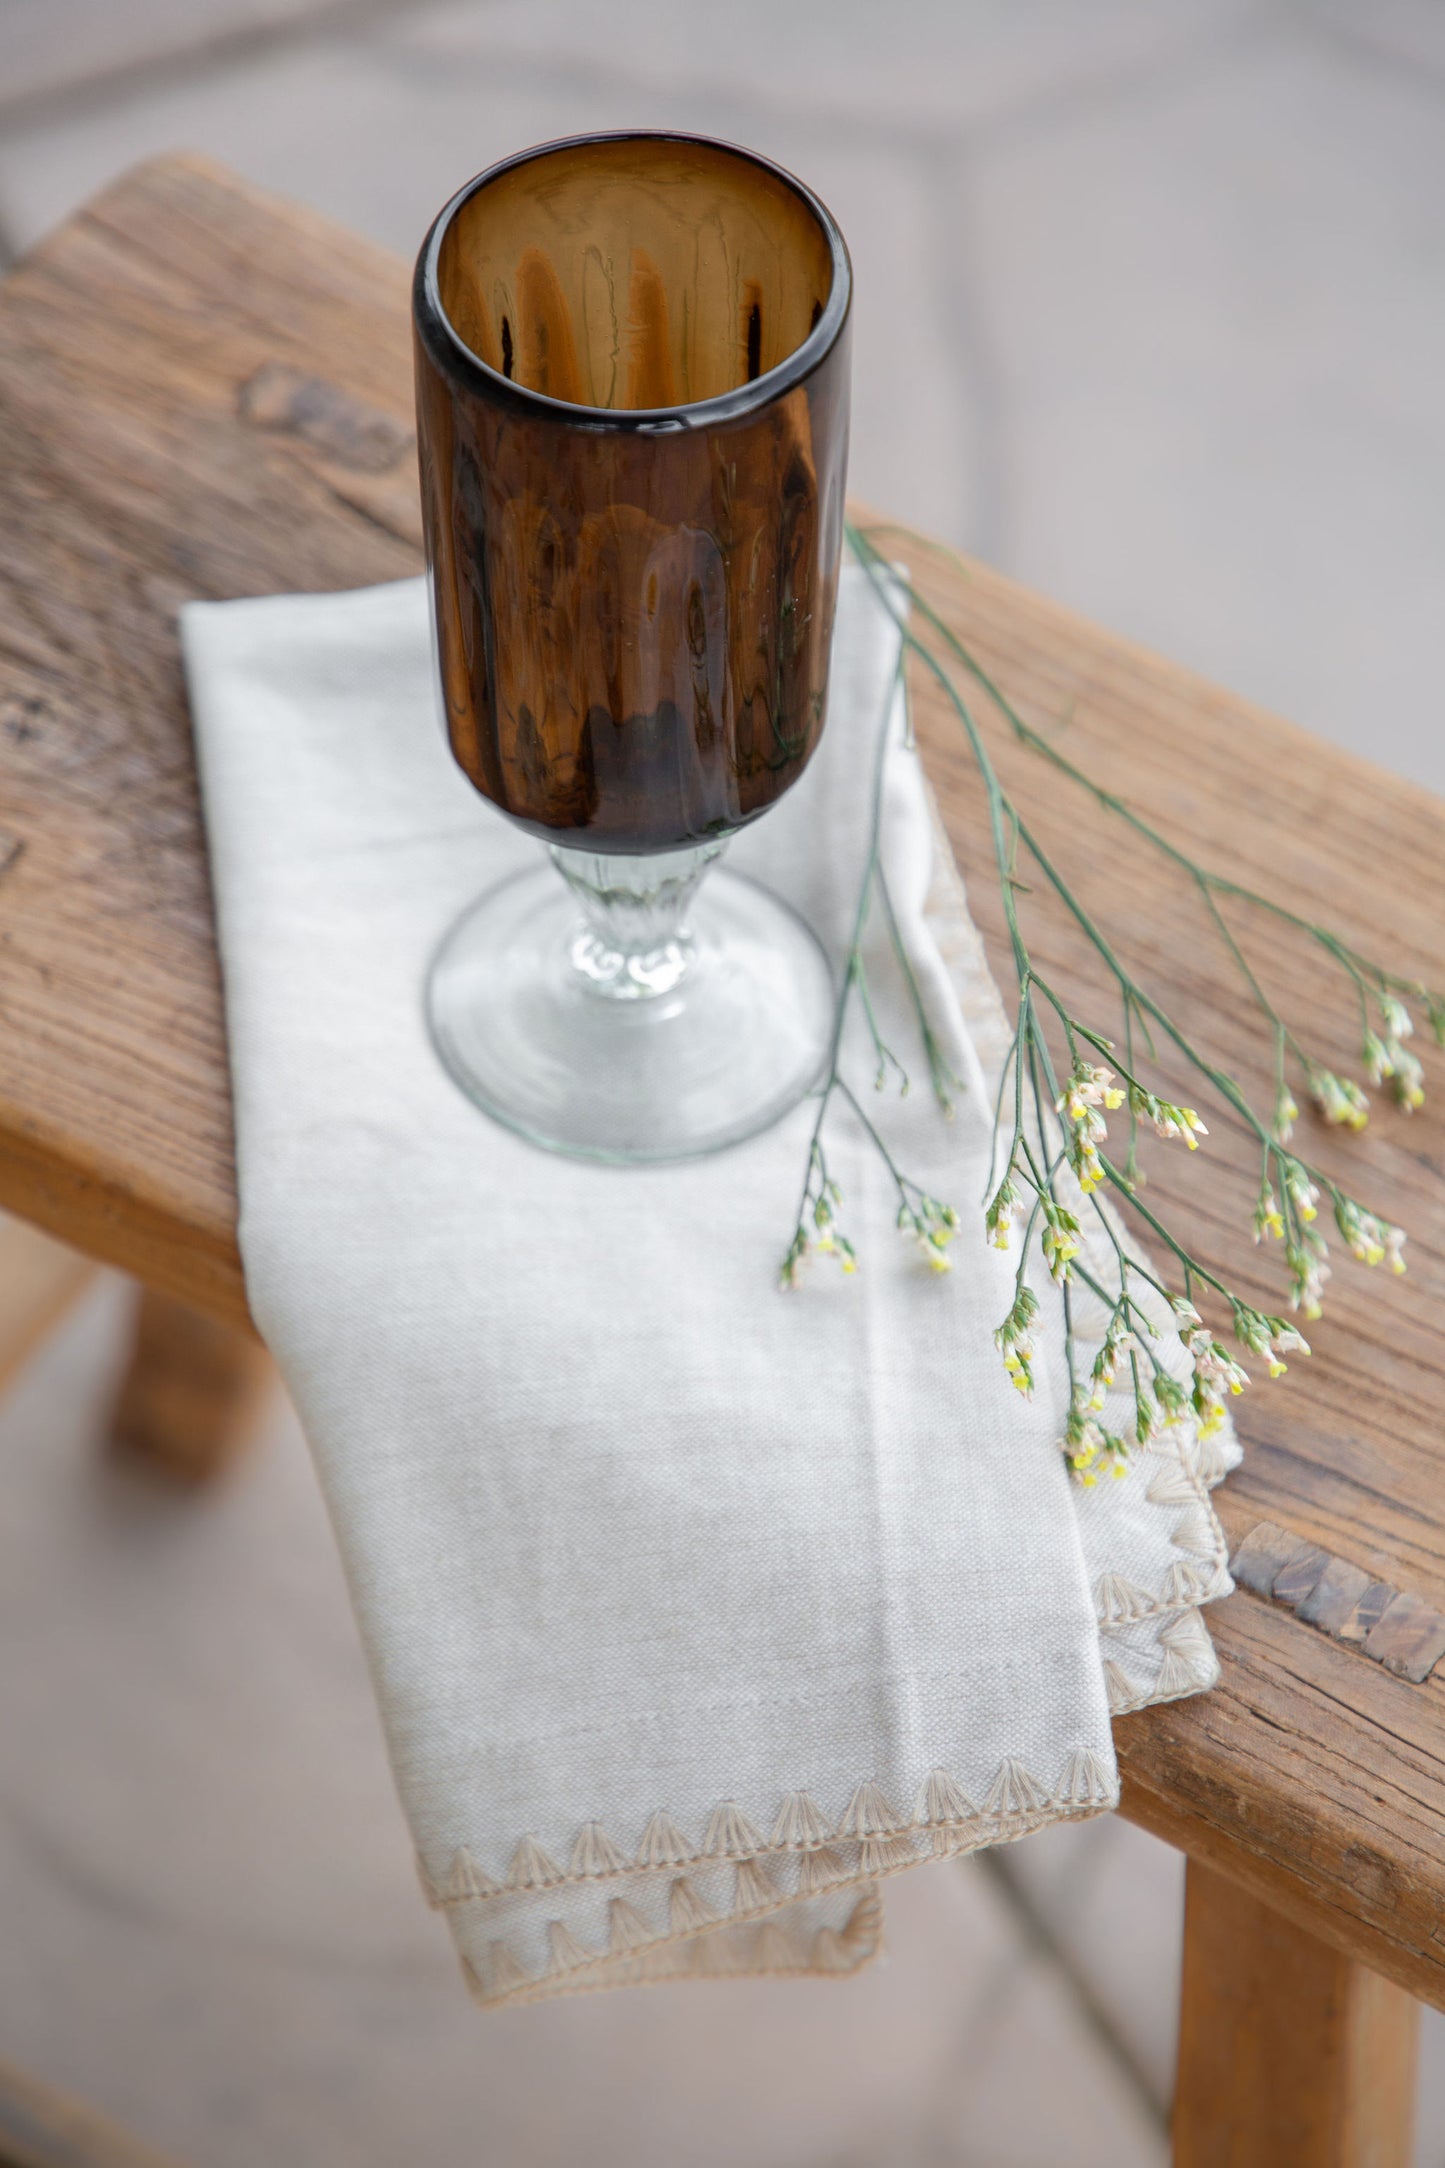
1151, 313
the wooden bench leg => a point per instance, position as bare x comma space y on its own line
1291, 2055
192, 1392
39, 1280
40, 2128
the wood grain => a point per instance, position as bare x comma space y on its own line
1393, 1627
1290, 2054
137, 469
161, 435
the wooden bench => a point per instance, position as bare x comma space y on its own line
203, 392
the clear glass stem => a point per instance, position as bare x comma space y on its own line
635, 941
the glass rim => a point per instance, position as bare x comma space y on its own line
435, 327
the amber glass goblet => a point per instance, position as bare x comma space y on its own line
632, 398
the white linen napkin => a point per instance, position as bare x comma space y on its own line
692, 1607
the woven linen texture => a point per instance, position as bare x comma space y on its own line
692, 1608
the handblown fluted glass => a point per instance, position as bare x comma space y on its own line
632, 397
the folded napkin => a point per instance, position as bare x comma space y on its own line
692, 1607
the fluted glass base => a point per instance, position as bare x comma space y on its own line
628, 1013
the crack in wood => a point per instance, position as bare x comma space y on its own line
1394, 1626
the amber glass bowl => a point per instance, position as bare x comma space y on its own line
632, 398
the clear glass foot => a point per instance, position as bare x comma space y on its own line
627, 1013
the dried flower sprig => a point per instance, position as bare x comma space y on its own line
1050, 1162
930, 1222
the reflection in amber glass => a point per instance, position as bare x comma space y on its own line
650, 273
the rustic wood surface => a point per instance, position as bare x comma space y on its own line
1393, 1627
1291, 2055
206, 393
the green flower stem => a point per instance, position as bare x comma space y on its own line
1029, 1225
900, 1180
1039, 1145
1222, 1082
887, 1059
940, 1075
1038, 743
1152, 1219
1003, 1077
874, 565
1127, 1264
860, 917
1070, 1363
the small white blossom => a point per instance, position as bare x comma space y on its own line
1090, 1088
1302, 1192
1308, 1272
1268, 1337
1267, 1220
1378, 1056
1014, 1340
1397, 1019
1286, 1114
1165, 1118
1088, 1446
1370, 1240
1339, 1099
1407, 1081
1002, 1210
1061, 1244
932, 1225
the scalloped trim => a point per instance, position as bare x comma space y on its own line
869, 1832
1189, 1666
1188, 1583
870, 1843
727, 1949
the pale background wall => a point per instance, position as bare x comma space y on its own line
1151, 313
